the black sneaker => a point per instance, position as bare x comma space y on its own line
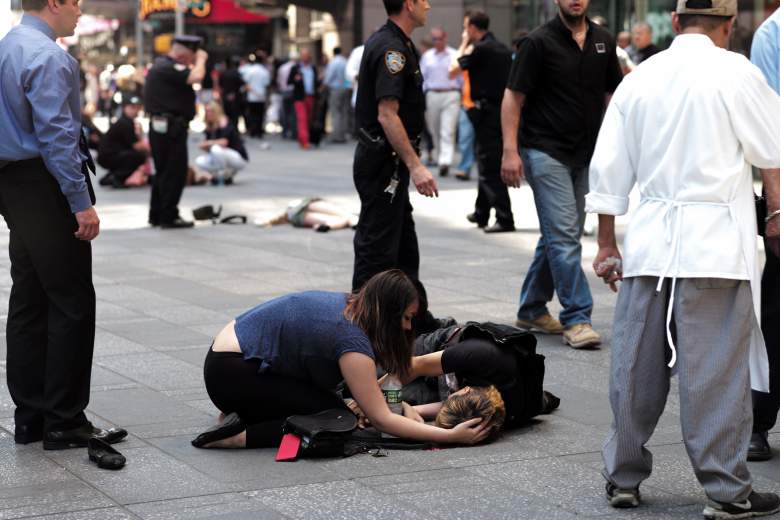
756, 504
622, 498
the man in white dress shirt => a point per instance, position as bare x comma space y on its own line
685, 127
442, 98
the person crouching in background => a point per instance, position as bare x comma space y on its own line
226, 154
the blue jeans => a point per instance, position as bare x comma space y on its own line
465, 142
559, 194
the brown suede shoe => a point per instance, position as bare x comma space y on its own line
545, 324
581, 335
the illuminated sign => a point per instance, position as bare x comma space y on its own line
199, 8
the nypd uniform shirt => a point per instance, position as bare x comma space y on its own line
167, 90
390, 69
565, 89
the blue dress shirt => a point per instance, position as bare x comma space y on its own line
40, 107
765, 50
336, 73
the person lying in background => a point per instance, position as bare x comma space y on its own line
312, 212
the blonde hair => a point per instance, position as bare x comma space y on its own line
483, 402
218, 112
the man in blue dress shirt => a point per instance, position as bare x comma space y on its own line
47, 203
765, 54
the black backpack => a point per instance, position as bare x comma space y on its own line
524, 396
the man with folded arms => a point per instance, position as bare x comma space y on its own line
47, 202
685, 127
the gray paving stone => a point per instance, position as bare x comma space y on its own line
333, 501
155, 370
141, 406
108, 344
114, 513
149, 475
154, 332
194, 356
228, 506
578, 488
50, 498
246, 469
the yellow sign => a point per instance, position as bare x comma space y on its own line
199, 8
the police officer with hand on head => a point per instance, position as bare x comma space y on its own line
47, 202
390, 113
170, 103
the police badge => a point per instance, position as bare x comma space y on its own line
395, 61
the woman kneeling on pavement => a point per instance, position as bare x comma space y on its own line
287, 357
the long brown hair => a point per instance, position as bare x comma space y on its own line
378, 309
482, 402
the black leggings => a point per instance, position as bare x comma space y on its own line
480, 362
263, 401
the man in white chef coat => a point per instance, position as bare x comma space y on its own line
684, 128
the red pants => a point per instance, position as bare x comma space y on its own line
303, 111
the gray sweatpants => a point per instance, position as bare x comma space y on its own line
711, 325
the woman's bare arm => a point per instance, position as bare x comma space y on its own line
359, 373
428, 411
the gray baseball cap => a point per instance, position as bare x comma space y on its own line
707, 7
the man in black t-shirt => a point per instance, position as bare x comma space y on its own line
488, 62
562, 76
122, 151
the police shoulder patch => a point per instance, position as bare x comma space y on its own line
180, 67
395, 61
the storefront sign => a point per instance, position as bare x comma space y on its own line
198, 8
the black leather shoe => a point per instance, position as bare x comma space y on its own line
179, 223
444, 171
499, 228
104, 455
759, 449
472, 217
231, 425
79, 437
463, 176
27, 433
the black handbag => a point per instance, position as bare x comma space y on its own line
323, 434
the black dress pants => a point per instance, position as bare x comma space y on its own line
51, 315
766, 405
255, 119
122, 165
169, 152
492, 193
263, 401
385, 237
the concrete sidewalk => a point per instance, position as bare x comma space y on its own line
163, 295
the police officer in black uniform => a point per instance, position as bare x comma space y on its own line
170, 103
488, 62
390, 117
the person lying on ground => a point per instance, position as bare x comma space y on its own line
123, 151
479, 370
225, 152
287, 356
312, 212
